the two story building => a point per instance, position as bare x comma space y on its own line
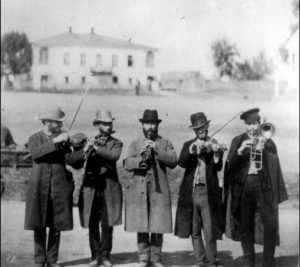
71, 61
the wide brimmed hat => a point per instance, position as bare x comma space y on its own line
250, 116
103, 115
150, 116
56, 114
198, 120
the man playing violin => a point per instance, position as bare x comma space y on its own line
200, 196
100, 198
148, 201
50, 189
253, 193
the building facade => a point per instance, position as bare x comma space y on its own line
71, 61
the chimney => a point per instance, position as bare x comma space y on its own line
92, 30
70, 29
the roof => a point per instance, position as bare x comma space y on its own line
71, 39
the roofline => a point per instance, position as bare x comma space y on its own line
132, 45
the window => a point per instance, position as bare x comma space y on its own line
129, 61
83, 80
43, 60
82, 59
66, 79
98, 61
150, 59
114, 61
66, 59
115, 79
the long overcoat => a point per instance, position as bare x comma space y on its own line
138, 218
49, 174
184, 213
271, 181
103, 163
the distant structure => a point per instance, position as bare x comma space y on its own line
186, 82
292, 45
287, 74
66, 61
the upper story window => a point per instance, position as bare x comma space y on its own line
150, 59
98, 61
130, 61
43, 56
114, 62
82, 59
66, 59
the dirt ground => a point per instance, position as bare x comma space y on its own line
17, 244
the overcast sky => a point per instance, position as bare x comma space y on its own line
183, 30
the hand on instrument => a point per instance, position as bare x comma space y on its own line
197, 147
244, 145
88, 145
64, 137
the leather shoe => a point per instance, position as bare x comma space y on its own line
106, 263
49, 264
157, 264
94, 263
143, 264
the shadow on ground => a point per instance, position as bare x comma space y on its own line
177, 258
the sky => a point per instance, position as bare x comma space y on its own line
183, 30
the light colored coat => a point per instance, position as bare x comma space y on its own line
138, 218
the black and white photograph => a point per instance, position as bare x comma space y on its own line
149, 133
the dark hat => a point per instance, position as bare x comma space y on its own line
250, 116
198, 120
150, 116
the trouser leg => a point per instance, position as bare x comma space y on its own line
270, 228
39, 245
210, 241
143, 246
106, 242
156, 247
53, 245
248, 206
198, 246
94, 232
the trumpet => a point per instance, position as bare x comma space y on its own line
208, 145
264, 132
147, 155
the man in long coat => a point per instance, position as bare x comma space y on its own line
147, 197
200, 196
253, 194
50, 188
100, 198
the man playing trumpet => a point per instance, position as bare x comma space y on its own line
148, 200
254, 187
200, 197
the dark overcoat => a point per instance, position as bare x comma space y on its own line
271, 181
184, 213
138, 217
101, 170
49, 174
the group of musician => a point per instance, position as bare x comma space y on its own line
244, 206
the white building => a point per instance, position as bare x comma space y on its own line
292, 45
67, 61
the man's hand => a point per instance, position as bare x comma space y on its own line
87, 146
244, 145
64, 137
197, 147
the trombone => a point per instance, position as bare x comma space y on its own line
264, 132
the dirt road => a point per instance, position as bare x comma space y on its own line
17, 244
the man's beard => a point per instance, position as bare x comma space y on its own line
203, 136
150, 134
